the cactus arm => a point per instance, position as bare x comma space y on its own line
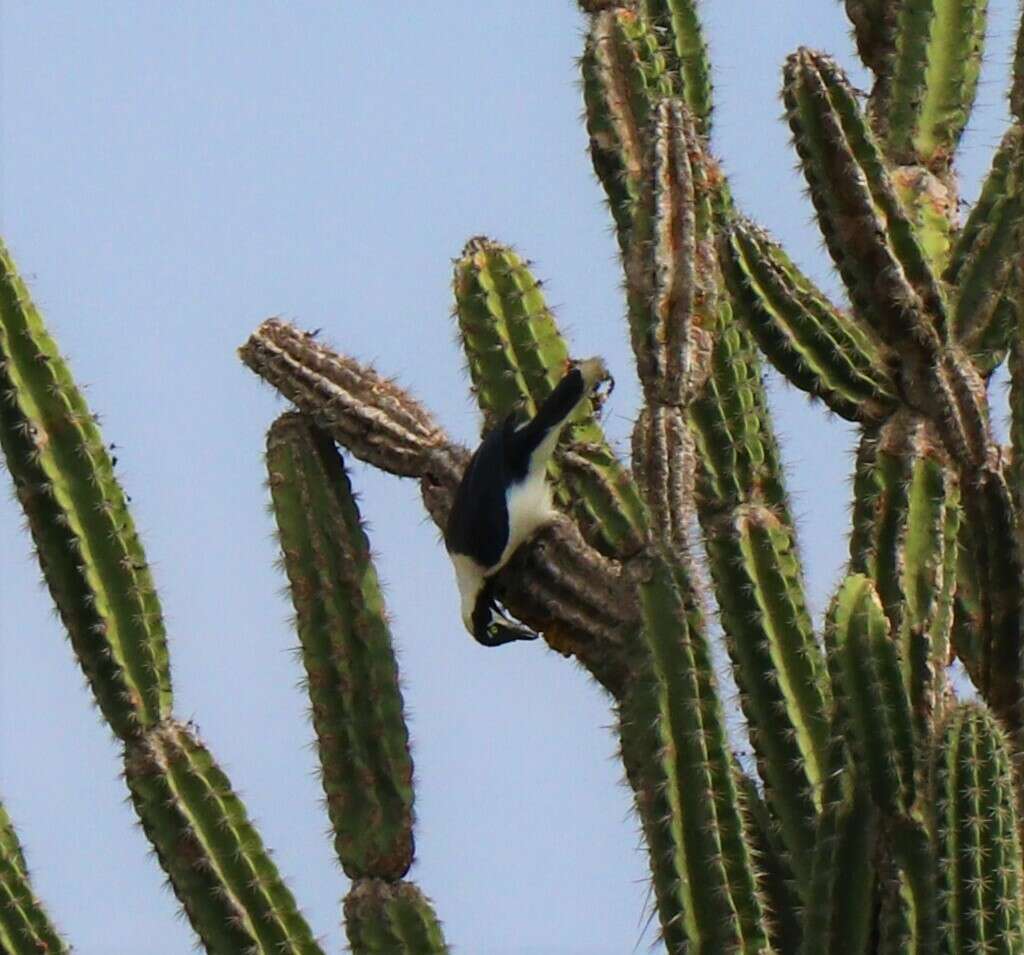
1002, 173
624, 73
988, 508
352, 677
988, 348
672, 294
934, 76
385, 918
873, 694
25, 928
671, 273
370, 415
87, 544
866, 229
483, 281
983, 262
768, 630
874, 29
979, 873
516, 357
817, 348
346, 649
558, 585
905, 525
781, 899
955, 49
758, 584
1016, 95
682, 758
215, 860
677, 22
839, 914
875, 698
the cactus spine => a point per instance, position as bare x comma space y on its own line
881, 814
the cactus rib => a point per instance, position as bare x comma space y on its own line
768, 630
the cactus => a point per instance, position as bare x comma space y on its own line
24, 925
879, 813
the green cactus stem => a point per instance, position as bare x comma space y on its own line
25, 928
217, 865
905, 532
735, 442
979, 872
818, 348
624, 75
85, 539
923, 108
681, 759
866, 227
983, 264
868, 667
840, 911
346, 646
777, 882
677, 24
872, 701
1017, 84
391, 918
768, 630
874, 29
991, 533
516, 358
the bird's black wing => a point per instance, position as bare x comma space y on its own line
478, 522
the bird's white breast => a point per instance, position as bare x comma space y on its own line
529, 501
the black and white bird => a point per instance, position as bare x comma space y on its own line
503, 499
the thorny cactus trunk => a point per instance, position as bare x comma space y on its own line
881, 812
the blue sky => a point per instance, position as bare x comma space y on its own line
171, 174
